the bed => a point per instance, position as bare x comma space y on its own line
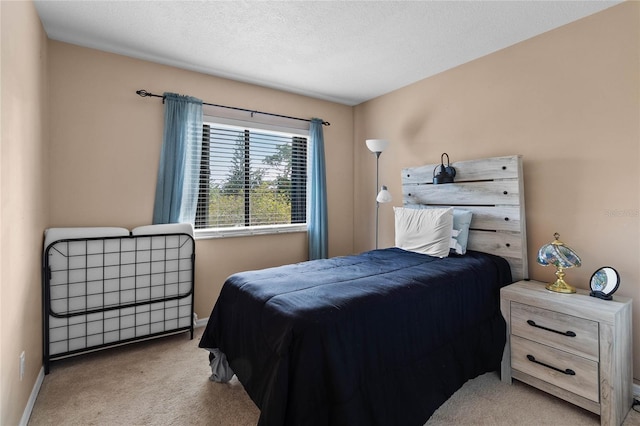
386, 336
106, 286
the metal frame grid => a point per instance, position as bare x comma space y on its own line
101, 292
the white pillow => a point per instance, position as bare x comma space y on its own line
52, 235
426, 231
460, 231
165, 228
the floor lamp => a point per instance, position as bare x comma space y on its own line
377, 146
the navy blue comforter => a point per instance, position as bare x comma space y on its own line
380, 338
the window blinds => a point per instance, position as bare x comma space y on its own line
251, 177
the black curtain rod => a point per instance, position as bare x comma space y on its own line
145, 94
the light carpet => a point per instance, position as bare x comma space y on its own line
165, 382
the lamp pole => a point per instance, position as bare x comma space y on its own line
377, 146
377, 186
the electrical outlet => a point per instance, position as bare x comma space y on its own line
21, 365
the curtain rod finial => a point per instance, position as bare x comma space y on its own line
142, 93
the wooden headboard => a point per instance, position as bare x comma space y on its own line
493, 189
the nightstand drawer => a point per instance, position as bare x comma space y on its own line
528, 357
578, 336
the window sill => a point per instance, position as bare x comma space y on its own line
202, 234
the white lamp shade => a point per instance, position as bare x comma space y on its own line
384, 196
377, 145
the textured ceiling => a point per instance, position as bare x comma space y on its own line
342, 51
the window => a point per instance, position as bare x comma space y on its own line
251, 181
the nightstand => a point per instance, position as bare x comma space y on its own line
573, 346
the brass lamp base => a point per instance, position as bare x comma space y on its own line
560, 286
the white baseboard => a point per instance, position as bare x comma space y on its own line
201, 322
32, 398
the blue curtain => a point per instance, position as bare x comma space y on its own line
317, 226
178, 174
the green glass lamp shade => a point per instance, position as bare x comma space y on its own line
562, 257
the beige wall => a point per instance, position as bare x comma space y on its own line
105, 146
24, 201
569, 102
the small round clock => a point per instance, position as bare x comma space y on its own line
604, 282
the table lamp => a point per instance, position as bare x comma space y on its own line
562, 257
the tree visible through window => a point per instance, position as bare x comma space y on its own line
251, 178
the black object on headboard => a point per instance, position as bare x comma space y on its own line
446, 174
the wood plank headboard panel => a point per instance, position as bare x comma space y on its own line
493, 189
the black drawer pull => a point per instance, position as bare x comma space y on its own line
564, 333
568, 371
